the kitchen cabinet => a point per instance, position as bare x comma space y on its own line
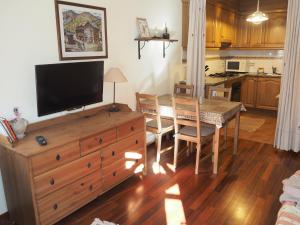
267, 91
243, 33
275, 29
248, 93
257, 32
220, 25
226, 25
261, 92
268, 35
210, 26
228, 21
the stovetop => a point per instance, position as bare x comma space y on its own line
225, 74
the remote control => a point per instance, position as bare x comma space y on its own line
41, 140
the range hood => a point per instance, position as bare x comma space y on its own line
225, 44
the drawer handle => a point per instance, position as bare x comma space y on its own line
89, 165
113, 153
136, 142
58, 157
55, 206
132, 128
91, 187
52, 181
114, 174
100, 141
136, 161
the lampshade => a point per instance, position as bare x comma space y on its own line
115, 75
257, 17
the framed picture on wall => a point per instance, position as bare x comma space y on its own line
143, 27
81, 31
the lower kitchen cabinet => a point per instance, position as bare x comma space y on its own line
249, 91
261, 92
267, 91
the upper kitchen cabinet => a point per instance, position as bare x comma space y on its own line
220, 25
228, 25
210, 26
275, 29
268, 35
257, 33
226, 22
243, 33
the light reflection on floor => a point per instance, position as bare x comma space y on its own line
173, 206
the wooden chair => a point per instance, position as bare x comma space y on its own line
188, 126
226, 93
148, 105
184, 90
226, 96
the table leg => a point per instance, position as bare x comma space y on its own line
236, 132
216, 150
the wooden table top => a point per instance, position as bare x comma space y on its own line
211, 111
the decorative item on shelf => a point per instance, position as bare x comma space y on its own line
156, 33
82, 31
257, 17
166, 35
115, 75
19, 124
143, 28
260, 71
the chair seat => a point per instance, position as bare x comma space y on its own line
205, 129
165, 123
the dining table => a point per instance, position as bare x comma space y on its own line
215, 112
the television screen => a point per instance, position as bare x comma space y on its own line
68, 86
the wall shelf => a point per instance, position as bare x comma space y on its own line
144, 40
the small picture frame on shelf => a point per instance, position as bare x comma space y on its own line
143, 28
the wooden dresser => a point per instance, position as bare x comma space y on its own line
88, 153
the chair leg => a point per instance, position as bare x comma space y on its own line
198, 158
188, 151
159, 137
175, 152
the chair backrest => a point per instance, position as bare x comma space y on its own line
184, 90
148, 105
186, 113
225, 93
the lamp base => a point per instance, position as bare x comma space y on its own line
114, 108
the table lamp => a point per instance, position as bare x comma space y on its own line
115, 75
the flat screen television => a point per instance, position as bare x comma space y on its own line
68, 86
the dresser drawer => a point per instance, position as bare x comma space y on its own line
55, 158
120, 170
119, 150
66, 174
98, 141
130, 128
61, 203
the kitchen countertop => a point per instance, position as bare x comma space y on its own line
214, 81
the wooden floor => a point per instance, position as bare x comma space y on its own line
245, 191
265, 133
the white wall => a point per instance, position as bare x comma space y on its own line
28, 37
